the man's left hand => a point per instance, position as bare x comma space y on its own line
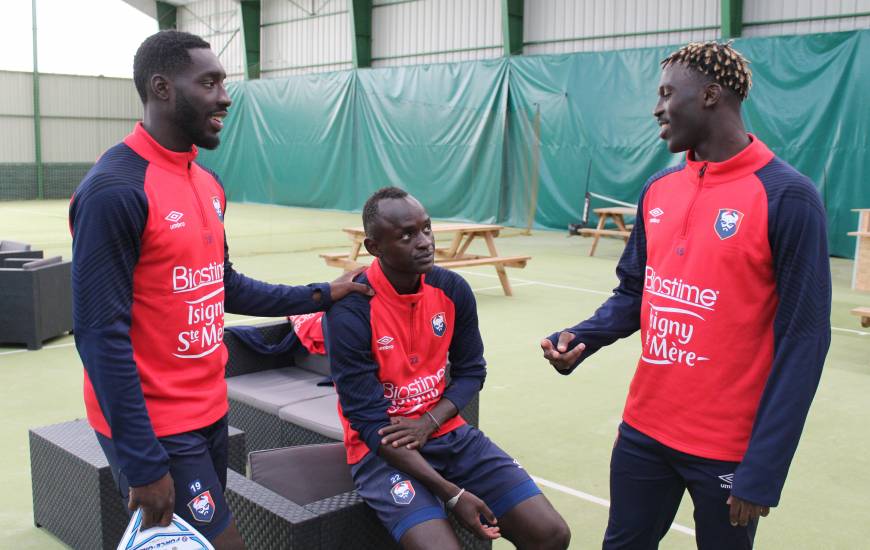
410, 432
742, 512
344, 285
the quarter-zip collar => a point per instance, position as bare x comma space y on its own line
147, 147
384, 288
751, 159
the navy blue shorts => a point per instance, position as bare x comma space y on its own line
647, 482
465, 457
198, 465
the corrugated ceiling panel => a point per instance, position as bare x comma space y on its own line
307, 70
757, 11
218, 22
429, 31
560, 26
304, 43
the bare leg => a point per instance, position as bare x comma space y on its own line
535, 524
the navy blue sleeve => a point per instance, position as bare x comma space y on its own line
354, 370
248, 296
467, 366
107, 217
801, 331
619, 316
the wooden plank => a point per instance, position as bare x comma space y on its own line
617, 210
507, 261
443, 228
590, 232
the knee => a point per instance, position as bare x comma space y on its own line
561, 535
553, 534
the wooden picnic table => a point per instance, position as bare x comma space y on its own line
616, 214
453, 256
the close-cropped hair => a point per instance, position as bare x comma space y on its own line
721, 62
370, 210
163, 53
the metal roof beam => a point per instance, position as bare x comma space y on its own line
251, 36
512, 26
732, 18
167, 15
361, 32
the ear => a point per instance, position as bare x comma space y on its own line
372, 247
160, 87
712, 94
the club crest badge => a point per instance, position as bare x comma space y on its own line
439, 324
403, 492
202, 507
217, 208
727, 223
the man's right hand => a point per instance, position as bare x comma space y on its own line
344, 285
559, 356
157, 501
468, 510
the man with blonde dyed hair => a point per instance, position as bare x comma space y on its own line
726, 274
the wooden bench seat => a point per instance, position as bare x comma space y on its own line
864, 314
507, 261
591, 232
341, 259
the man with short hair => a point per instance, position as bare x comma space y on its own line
726, 274
410, 451
151, 281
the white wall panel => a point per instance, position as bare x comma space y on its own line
16, 93
431, 31
80, 140
759, 11
16, 139
560, 26
304, 36
88, 97
81, 116
219, 23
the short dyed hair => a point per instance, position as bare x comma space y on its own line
721, 62
370, 210
164, 52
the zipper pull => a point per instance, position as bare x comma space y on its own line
702, 170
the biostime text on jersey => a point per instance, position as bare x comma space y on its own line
203, 329
674, 309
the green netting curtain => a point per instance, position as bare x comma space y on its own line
480, 141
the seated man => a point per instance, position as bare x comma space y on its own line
411, 453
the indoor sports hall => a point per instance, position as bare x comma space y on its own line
526, 130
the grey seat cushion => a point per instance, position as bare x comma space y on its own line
303, 474
318, 415
271, 389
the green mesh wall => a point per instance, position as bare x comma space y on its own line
19, 181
